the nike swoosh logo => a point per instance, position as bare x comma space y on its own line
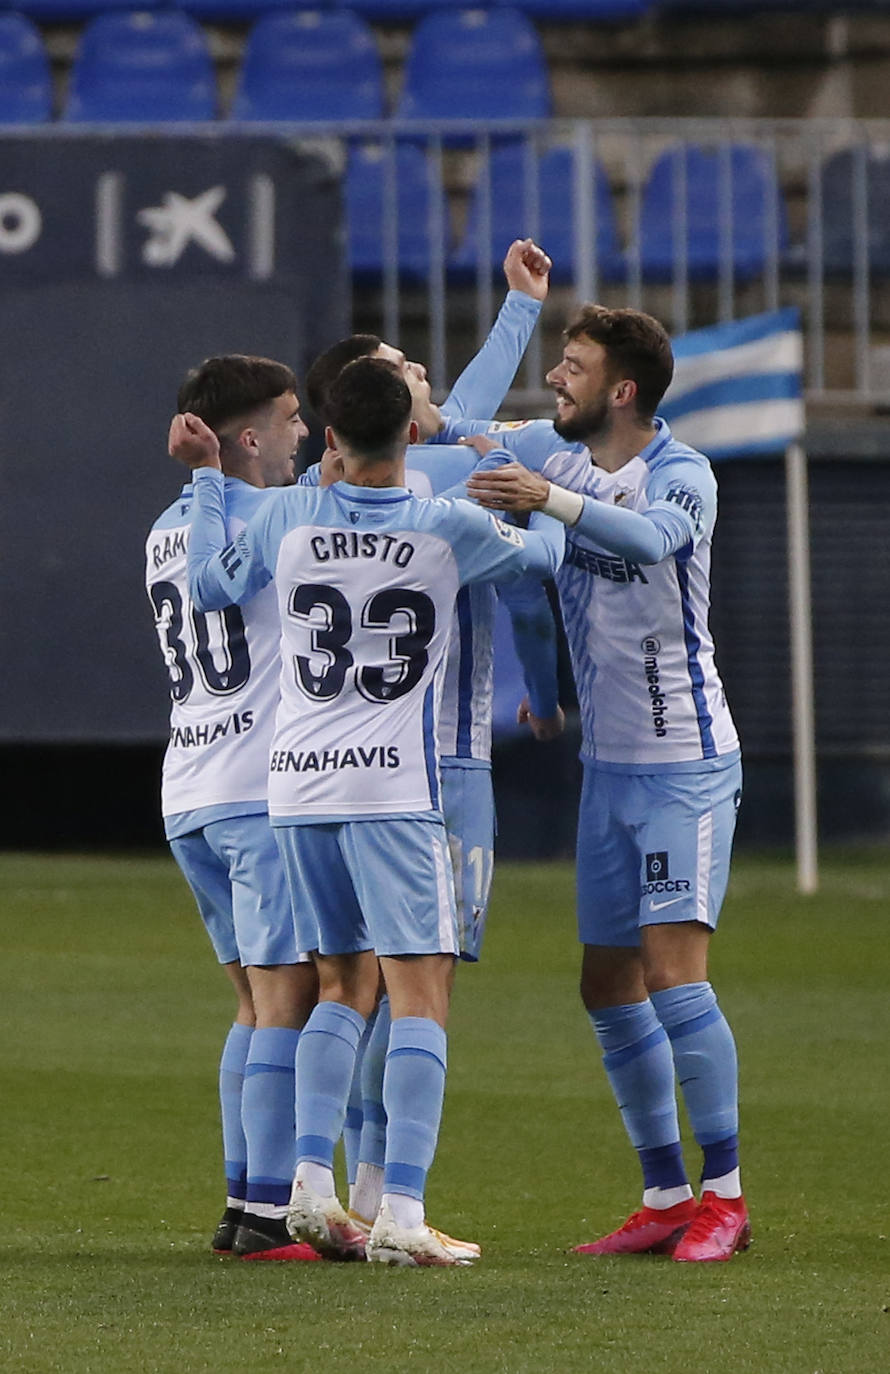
657, 906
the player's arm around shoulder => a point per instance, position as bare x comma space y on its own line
489, 550
223, 573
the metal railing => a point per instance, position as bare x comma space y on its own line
696, 221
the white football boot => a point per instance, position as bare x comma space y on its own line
390, 1243
323, 1224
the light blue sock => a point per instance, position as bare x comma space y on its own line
413, 1092
325, 1066
640, 1068
267, 1112
707, 1067
373, 1144
231, 1082
352, 1126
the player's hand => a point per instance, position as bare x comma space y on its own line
480, 442
544, 728
527, 268
511, 487
330, 468
193, 442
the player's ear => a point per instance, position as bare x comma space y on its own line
625, 392
413, 432
247, 439
330, 439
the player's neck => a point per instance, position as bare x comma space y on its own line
623, 443
359, 472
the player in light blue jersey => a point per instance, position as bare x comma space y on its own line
465, 718
662, 774
224, 689
366, 577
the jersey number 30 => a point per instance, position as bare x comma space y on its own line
219, 681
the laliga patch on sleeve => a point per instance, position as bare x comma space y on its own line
500, 425
508, 532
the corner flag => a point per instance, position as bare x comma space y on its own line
738, 389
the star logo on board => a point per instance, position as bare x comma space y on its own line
179, 221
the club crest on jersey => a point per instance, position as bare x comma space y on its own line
508, 532
354, 516
621, 495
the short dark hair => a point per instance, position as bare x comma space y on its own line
232, 385
369, 406
328, 366
636, 345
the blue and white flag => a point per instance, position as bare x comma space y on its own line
738, 388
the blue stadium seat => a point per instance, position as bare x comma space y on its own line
70, 11
366, 207
510, 216
245, 11
142, 66
397, 11
26, 93
593, 11
475, 64
839, 179
310, 65
752, 191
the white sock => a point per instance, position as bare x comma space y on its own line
317, 1177
727, 1185
405, 1211
366, 1192
236, 1203
661, 1198
268, 1209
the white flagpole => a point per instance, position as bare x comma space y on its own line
802, 711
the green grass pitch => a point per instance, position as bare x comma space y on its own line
114, 1014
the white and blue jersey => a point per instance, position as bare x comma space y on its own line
465, 717
635, 596
223, 668
366, 581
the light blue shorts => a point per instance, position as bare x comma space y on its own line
653, 848
468, 808
384, 885
234, 870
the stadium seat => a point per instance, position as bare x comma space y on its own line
751, 188
70, 11
142, 66
592, 11
475, 64
511, 215
366, 206
245, 11
310, 65
25, 81
396, 11
839, 195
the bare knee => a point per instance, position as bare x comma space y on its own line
611, 977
